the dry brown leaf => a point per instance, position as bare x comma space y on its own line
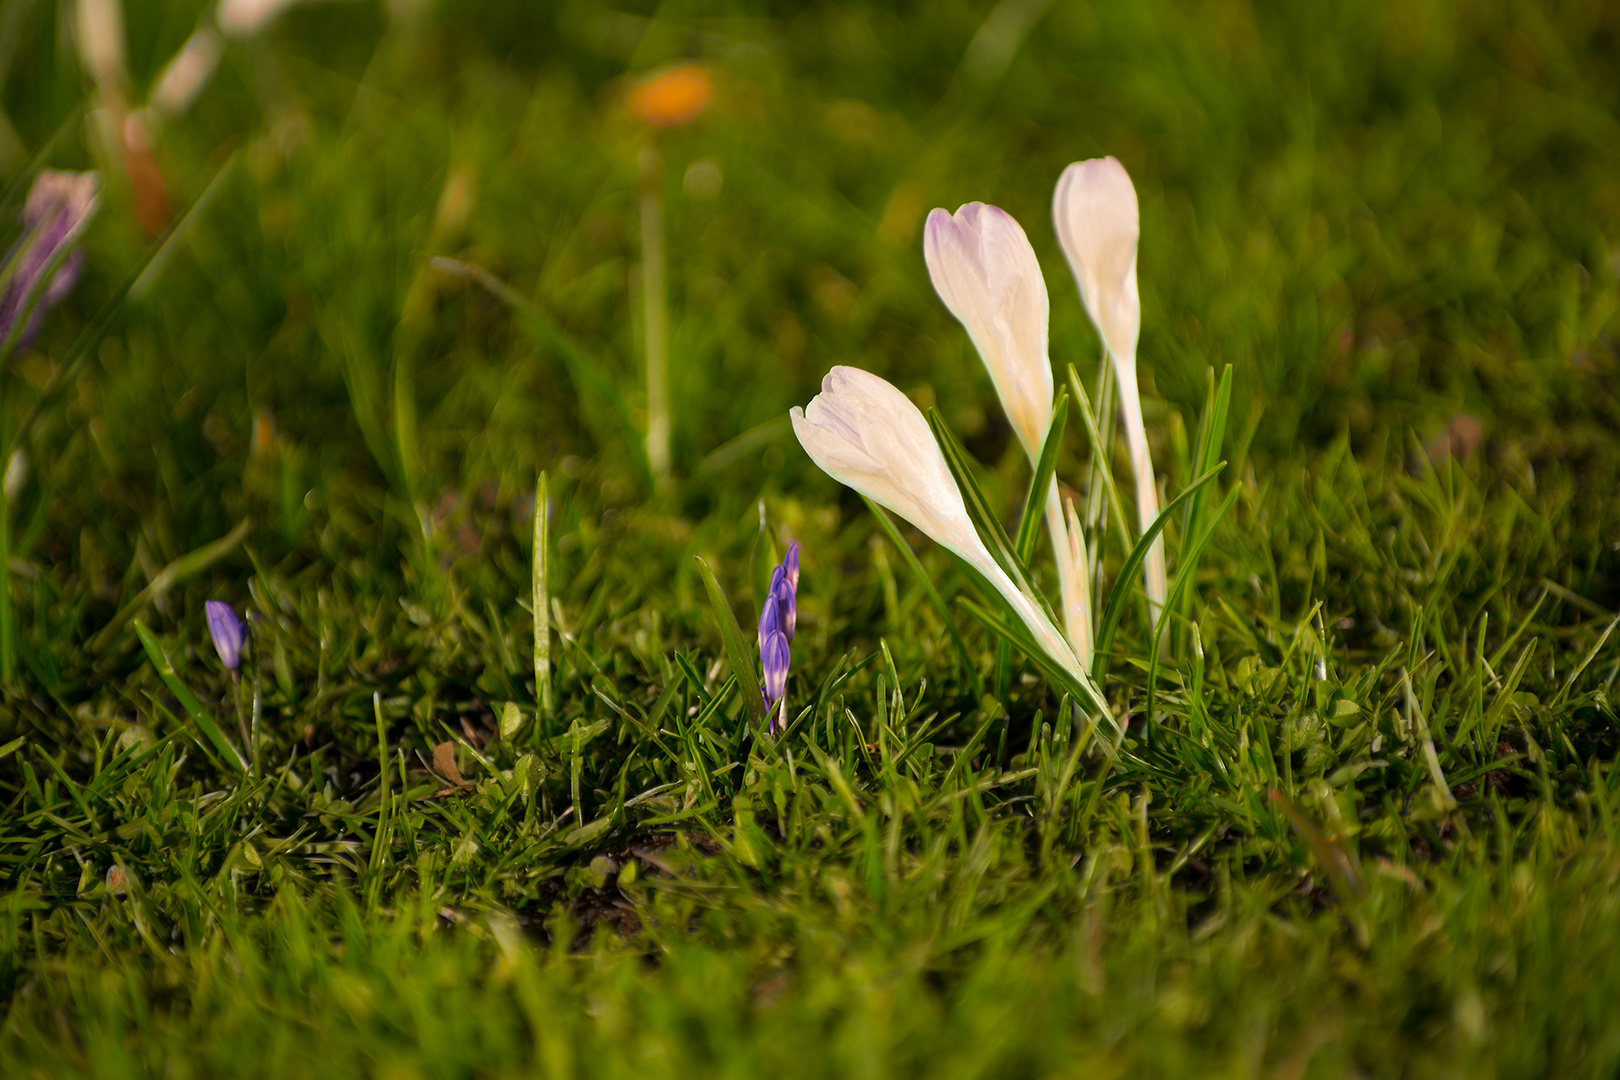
444, 764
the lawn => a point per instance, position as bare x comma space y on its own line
1353, 808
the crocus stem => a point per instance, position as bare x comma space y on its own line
241, 718
655, 311
1147, 494
1071, 578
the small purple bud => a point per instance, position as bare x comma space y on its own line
777, 620
775, 658
790, 565
226, 630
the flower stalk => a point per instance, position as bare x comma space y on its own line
1099, 224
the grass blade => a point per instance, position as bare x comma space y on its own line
188, 700
982, 515
1098, 449
590, 380
1211, 435
186, 566
1029, 526
540, 595
938, 601
742, 661
1109, 623
1180, 588
1078, 686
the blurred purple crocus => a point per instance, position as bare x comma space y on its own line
59, 207
226, 630
777, 622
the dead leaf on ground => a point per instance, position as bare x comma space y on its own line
445, 767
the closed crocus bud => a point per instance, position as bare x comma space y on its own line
1098, 224
867, 435
774, 655
226, 630
101, 42
983, 267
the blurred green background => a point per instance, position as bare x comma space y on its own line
1381, 215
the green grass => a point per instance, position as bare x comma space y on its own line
1376, 828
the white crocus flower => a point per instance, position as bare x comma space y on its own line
983, 267
1098, 224
101, 43
182, 80
867, 435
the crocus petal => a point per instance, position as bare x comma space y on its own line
101, 41
867, 435
244, 18
1098, 223
790, 563
983, 267
770, 618
786, 600
185, 76
226, 630
775, 658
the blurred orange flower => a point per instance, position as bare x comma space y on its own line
675, 97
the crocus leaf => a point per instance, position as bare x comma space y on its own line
1109, 623
188, 700
742, 663
1080, 687
1099, 448
1211, 433
1029, 527
184, 568
979, 509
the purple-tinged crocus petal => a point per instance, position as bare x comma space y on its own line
770, 615
983, 267
59, 207
782, 596
226, 630
790, 564
787, 606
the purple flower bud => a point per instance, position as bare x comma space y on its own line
775, 658
58, 208
226, 630
777, 620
